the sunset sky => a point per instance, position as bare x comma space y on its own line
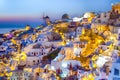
53, 8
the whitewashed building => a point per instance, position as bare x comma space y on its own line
34, 56
21, 75
37, 52
79, 31
63, 65
103, 18
42, 38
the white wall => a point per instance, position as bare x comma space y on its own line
30, 60
24, 75
79, 30
31, 57
45, 39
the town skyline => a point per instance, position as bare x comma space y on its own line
85, 47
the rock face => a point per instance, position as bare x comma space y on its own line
54, 36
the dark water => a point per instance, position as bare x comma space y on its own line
19, 24
6, 26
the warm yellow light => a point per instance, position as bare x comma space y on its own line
56, 31
94, 58
14, 41
94, 65
111, 37
8, 74
28, 69
60, 33
99, 41
23, 56
83, 31
85, 78
27, 28
90, 77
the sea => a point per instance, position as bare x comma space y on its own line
6, 26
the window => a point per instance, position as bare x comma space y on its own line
38, 61
34, 62
119, 38
116, 72
34, 54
